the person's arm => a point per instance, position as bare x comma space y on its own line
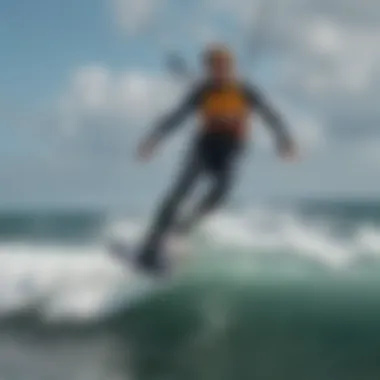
285, 142
170, 122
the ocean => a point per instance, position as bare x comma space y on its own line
285, 291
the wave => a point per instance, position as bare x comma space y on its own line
57, 284
264, 295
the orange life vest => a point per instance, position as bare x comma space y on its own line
225, 109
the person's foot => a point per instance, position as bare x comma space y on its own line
152, 263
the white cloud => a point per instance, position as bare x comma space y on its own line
134, 16
90, 87
95, 93
324, 36
331, 45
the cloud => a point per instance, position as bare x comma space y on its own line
322, 50
95, 90
134, 16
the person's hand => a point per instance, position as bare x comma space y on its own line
146, 149
288, 150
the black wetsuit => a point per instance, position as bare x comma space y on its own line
215, 152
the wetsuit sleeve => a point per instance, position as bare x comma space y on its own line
173, 120
258, 101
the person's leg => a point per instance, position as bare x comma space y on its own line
220, 157
214, 198
150, 250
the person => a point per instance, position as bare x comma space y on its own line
224, 104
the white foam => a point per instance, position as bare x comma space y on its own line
287, 233
368, 239
61, 281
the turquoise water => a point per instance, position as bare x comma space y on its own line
226, 328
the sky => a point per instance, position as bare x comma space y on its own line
82, 81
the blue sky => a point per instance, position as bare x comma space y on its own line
82, 80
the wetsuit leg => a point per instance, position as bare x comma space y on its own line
219, 157
218, 192
150, 251
214, 198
